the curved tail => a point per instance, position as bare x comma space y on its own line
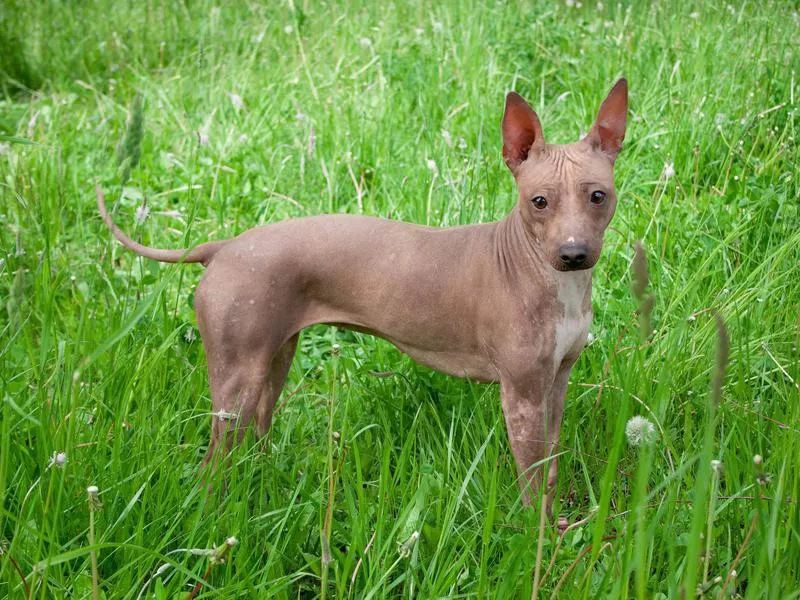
202, 253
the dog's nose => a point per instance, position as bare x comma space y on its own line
573, 256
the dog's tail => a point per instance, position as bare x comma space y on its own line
202, 253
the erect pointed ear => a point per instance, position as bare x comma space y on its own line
522, 131
609, 127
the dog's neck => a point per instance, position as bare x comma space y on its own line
524, 264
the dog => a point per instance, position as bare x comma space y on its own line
507, 302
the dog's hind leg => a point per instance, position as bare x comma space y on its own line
236, 389
240, 347
273, 384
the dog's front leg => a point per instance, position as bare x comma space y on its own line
525, 408
555, 408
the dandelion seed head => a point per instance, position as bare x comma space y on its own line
640, 431
236, 100
141, 214
288, 29
716, 466
669, 170
758, 459
433, 167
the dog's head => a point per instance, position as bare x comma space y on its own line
566, 192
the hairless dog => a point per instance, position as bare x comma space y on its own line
506, 302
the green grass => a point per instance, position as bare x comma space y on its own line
97, 358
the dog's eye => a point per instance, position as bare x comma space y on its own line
539, 202
598, 197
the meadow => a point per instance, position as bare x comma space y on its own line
251, 113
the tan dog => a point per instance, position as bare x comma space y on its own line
506, 302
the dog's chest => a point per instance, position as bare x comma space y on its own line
575, 318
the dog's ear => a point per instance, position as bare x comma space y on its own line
609, 127
522, 131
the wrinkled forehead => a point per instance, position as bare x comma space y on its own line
567, 166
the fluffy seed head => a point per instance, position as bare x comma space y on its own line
640, 431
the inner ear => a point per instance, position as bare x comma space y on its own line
522, 131
608, 130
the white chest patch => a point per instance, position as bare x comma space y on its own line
572, 329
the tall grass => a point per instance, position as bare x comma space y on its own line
253, 113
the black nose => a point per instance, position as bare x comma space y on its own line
573, 256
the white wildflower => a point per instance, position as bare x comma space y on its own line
640, 431
288, 29
599, 6
243, 139
462, 143
448, 139
569, 3
419, 31
716, 466
236, 100
189, 335
231, 541
92, 490
669, 170
432, 166
758, 459
590, 339
365, 42
694, 15
59, 459
141, 214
